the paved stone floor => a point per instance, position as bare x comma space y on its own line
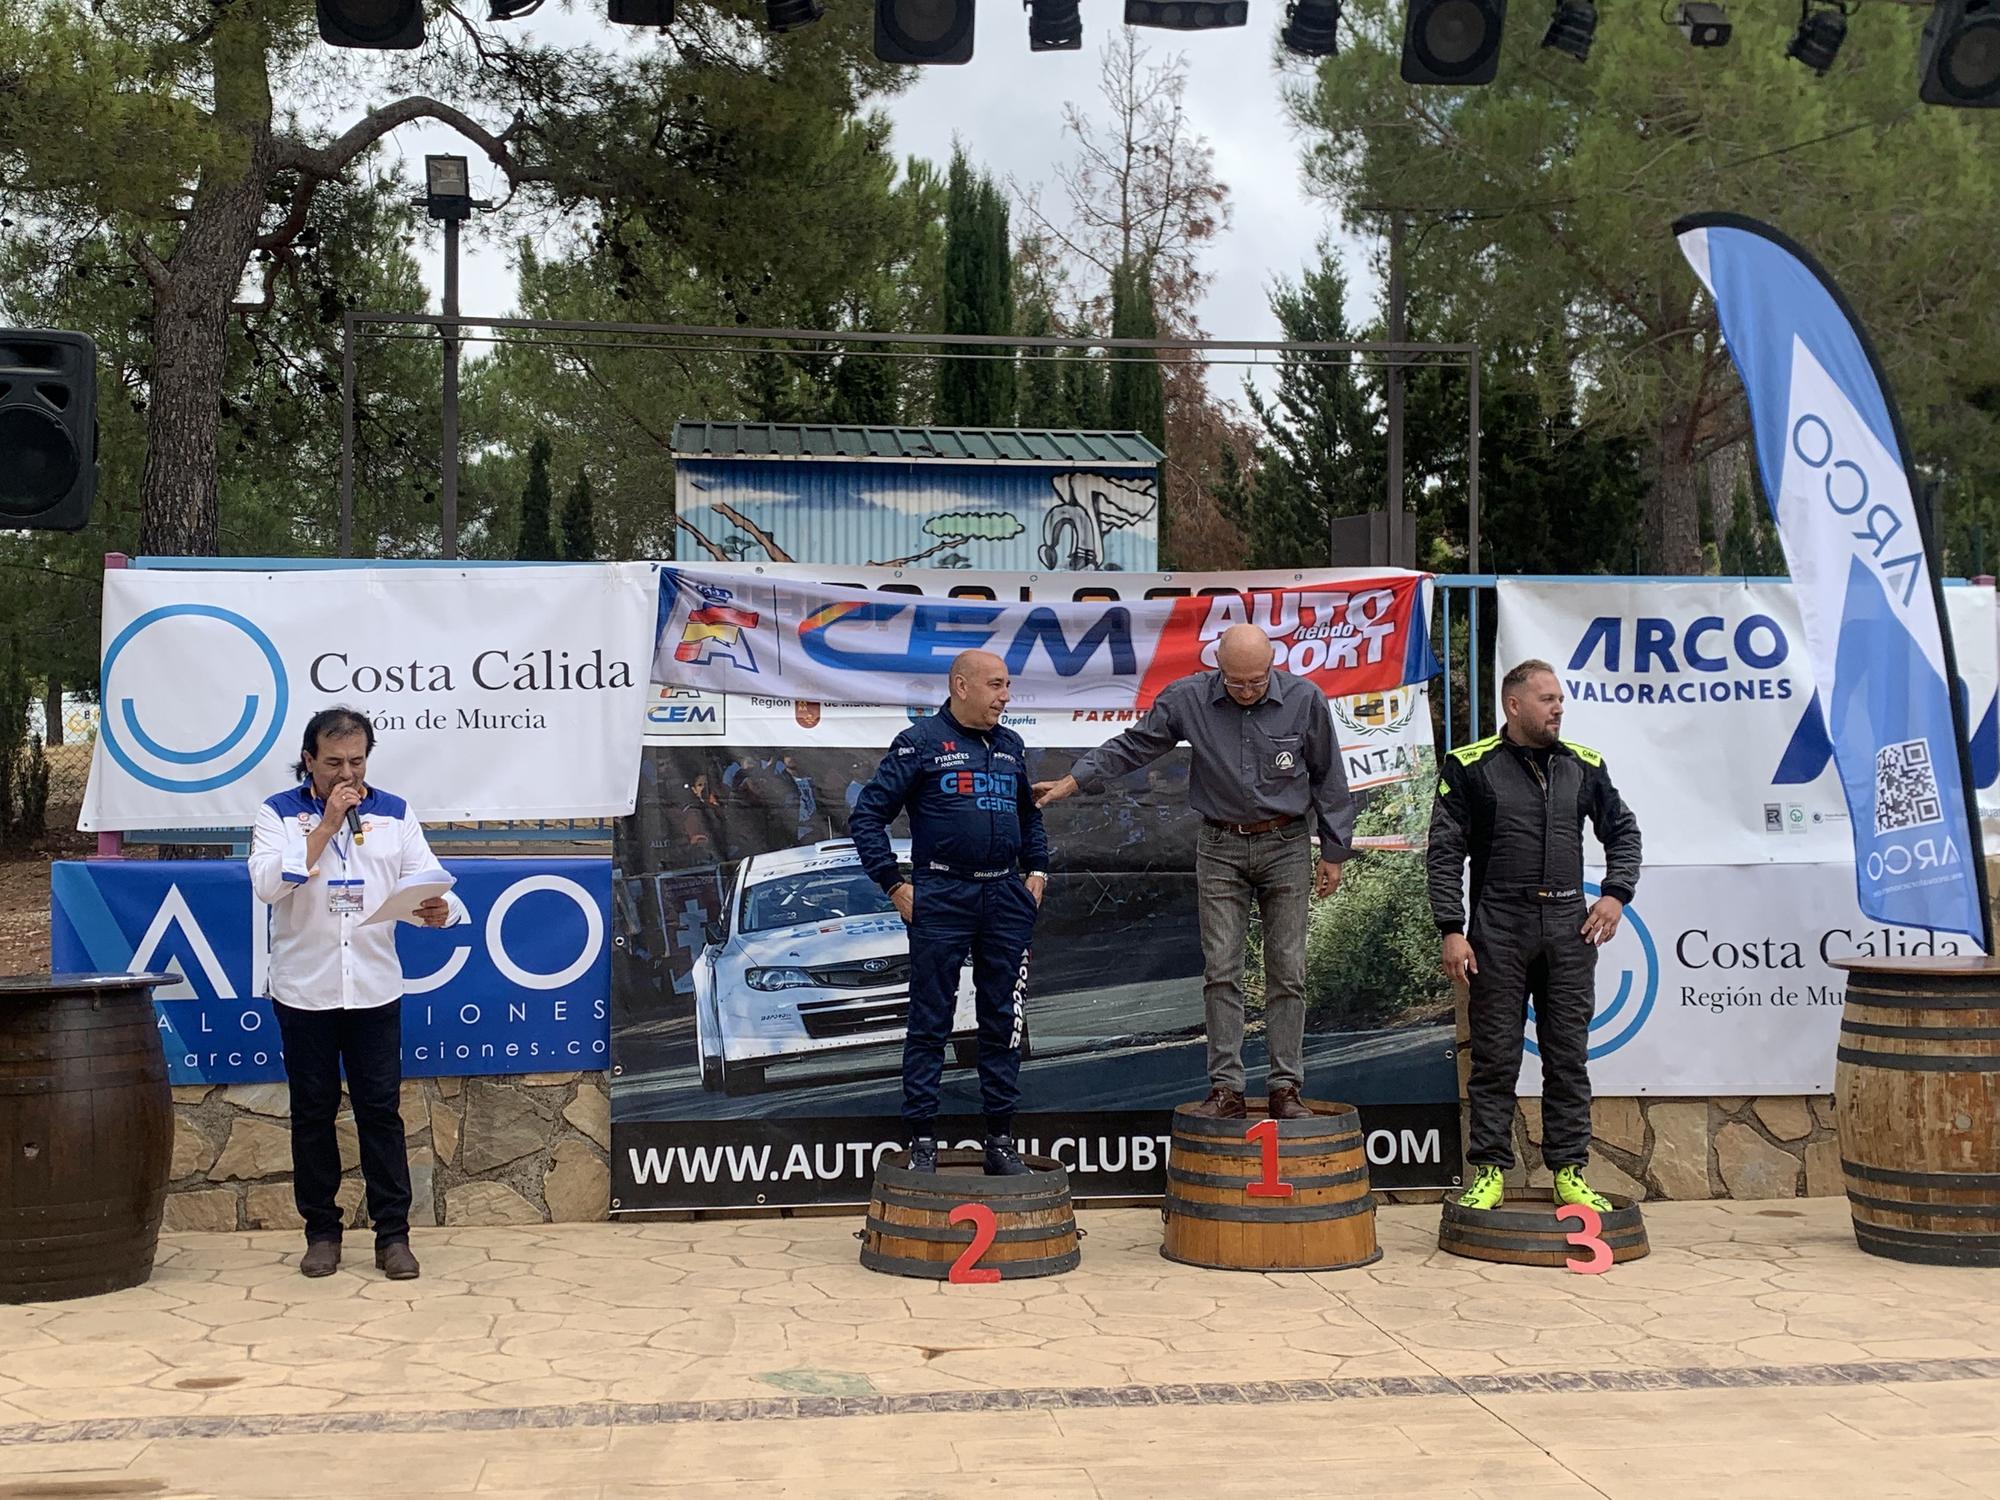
1756, 1352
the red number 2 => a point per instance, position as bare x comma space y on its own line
1586, 1237
1265, 1134
965, 1270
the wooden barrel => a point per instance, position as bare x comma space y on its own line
86, 1134
1528, 1233
910, 1230
1917, 1104
1226, 1206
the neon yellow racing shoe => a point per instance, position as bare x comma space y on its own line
1571, 1188
1489, 1186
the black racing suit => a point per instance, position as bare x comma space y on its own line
1518, 813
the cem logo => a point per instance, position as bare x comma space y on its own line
171, 738
1635, 959
687, 713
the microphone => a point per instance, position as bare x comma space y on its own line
354, 824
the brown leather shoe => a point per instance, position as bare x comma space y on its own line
396, 1261
1284, 1104
1221, 1104
322, 1258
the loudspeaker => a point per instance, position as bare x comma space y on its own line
923, 31
1453, 42
1958, 62
48, 429
379, 25
642, 12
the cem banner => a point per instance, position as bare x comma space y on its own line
1720, 980
732, 1090
521, 988
1831, 454
1701, 697
497, 692
745, 629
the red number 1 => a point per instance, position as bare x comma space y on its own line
1265, 1134
966, 1270
1586, 1237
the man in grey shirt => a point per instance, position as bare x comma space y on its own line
1265, 760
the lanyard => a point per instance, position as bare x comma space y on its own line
333, 843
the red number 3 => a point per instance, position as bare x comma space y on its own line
966, 1270
1586, 1237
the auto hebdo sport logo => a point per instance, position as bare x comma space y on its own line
160, 727
1632, 957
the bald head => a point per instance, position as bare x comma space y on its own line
979, 683
1244, 653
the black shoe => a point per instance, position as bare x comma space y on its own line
1002, 1160
322, 1258
395, 1259
923, 1154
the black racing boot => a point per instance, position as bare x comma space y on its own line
923, 1154
1002, 1160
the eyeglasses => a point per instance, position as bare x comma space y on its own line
1252, 685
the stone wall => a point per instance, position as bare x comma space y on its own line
508, 1150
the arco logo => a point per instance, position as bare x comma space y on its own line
163, 732
1633, 956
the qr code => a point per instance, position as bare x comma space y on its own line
1906, 787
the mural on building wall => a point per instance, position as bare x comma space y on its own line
934, 515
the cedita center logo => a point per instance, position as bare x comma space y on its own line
1628, 984
173, 740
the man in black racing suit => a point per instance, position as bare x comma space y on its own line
1515, 804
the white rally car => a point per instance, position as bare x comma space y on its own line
809, 956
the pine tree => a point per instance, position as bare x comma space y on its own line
1751, 547
864, 390
1084, 396
534, 542
579, 523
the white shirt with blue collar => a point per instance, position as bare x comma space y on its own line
322, 958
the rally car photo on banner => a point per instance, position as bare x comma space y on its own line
809, 956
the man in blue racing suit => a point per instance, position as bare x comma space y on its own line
979, 862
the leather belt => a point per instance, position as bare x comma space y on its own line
1269, 825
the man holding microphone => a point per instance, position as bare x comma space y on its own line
323, 855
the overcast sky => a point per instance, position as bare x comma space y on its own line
1006, 105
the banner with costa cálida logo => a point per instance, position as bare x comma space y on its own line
496, 692
813, 634
1702, 699
1723, 981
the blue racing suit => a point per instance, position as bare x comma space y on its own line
975, 833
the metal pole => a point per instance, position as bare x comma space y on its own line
347, 434
1472, 465
1395, 396
111, 843
448, 491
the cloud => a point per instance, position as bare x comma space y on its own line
986, 525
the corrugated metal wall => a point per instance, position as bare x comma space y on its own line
1014, 517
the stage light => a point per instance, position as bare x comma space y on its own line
1187, 15
379, 25
642, 12
923, 31
1959, 61
790, 15
1817, 41
1312, 27
1054, 26
1704, 25
1454, 42
1573, 29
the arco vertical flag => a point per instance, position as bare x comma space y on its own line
1831, 453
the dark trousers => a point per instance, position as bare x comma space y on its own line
369, 1043
994, 922
1536, 949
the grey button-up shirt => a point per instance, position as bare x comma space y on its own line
1277, 758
